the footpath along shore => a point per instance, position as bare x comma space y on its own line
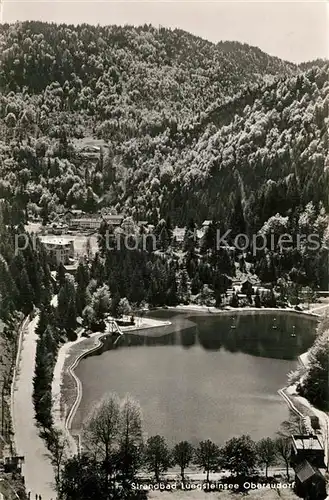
300, 405
315, 310
66, 386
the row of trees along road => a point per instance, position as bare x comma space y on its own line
114, 451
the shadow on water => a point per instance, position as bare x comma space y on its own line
279, 335
271, 336
204, 375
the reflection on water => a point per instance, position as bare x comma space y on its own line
203, 376
266, 335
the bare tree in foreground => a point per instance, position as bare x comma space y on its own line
101, 430
131, 436
57, 446
183, 454
207, 456
157, 456
267, 453
283, 446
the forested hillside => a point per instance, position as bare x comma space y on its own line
189, 128
166, 127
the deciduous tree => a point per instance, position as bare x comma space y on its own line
207, 456
267, 453
183, 454
157, 456
283, 446
240, 456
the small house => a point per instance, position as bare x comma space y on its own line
13, 464
71, 268
71, 214
309, 482
89, 222
62, 250
307, 447
247, 286
113, 219
90, 151
205, 225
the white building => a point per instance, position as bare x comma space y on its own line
85, 222
61, 249
94, 222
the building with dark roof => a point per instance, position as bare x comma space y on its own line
307, 447
309, 482
94, 221
113, 219
247, 286
205, 225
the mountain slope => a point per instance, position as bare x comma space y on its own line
189, 128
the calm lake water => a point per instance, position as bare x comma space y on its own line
203, 376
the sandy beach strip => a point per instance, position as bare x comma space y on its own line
246, 310
66, 387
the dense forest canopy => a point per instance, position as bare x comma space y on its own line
166, 127
186, 127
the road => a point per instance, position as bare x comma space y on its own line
37, 469
321, 307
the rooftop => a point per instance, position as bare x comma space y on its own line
71, 267
305, 471
114, 216
251, 279
87, 219
304, 442
55, 241
97, 217
76, 211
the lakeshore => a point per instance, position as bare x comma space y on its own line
305, 410
67, 388
70, 354
315, 309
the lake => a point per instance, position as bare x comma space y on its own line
203, 376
